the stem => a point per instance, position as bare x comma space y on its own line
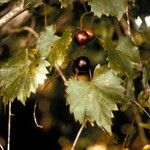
128, 22
81, 19
60, 72
2, 148
141, 107
34, 116
26, 28
139, 120
10, 15
45, 15
9, 125
77, 137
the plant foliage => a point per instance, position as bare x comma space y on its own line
94, 101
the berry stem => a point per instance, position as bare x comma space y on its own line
81, 19
60, 72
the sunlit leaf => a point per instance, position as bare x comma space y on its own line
46, 39
124, 56
59, 49
21, 75
94, 101
108, 7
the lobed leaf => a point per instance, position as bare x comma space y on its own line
123, 57
46, 39
21, 75
58, 52
108, 7
94, 101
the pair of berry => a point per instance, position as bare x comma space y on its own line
82, 37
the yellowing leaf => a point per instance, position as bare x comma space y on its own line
94, 101
108, 7
59, 50
21, 75
124, 56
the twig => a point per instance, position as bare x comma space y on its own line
2, 148
128, 135
141, 108
34, 116
77, 137
9, 125
60, 72
26, 28
139, 120
128, 22
81, 19
10, 15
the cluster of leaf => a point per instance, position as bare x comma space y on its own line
92, 101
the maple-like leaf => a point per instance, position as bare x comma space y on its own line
59, 49
124, 56
46, 39
94, 101
109, 7
21, 75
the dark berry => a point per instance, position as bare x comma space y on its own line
82, 65
81, 38
90, 33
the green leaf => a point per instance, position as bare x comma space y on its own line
94, 101
21, 75
65, 3
46, 39
124, 56
59, 50
109, 7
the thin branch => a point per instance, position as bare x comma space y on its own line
141, 107
2, 148
9, 125
26, 28
34, 116
10, 15
81, 19
138, 120
128, 22
60, 72
77, 137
